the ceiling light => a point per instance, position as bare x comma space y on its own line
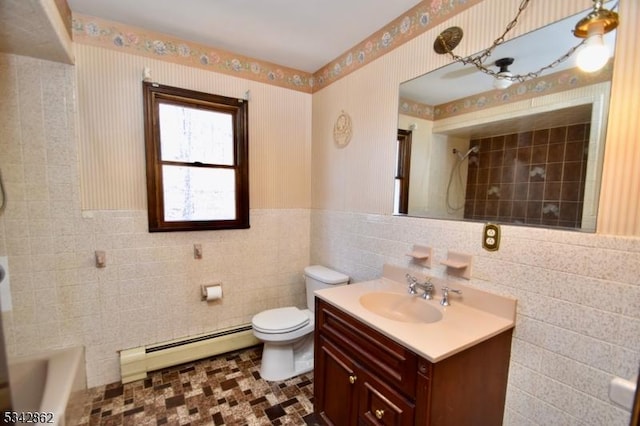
503, 77
593, 56
607, 18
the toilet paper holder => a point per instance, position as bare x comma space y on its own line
203, 290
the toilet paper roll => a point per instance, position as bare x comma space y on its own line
213, 292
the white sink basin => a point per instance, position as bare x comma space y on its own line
400, 307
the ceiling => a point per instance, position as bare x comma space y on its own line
285, 33
304, 36
531, 52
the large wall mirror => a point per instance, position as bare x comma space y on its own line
529, 154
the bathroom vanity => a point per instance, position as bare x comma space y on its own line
373, 368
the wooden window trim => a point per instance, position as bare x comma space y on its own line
403, 168
153, 93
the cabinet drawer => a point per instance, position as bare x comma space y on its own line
393, 363
381, 405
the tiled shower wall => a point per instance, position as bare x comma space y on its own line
150, 289
535, 177
578, 316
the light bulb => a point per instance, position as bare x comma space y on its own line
500, 82
594, 54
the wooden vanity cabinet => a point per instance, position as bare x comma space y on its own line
362, 377
350, 394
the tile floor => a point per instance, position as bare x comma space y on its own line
223, 390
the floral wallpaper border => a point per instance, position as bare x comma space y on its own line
545, 85
417, 20
412, 108
553, 83
117, 36
422, 17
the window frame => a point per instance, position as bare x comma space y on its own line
403, 169
153, 95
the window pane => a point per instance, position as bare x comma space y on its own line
189, 135
195, 193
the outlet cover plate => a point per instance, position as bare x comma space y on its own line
491, 237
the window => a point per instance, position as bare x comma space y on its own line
197, 160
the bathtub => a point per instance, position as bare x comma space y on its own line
51, 383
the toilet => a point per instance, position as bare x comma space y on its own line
287, 333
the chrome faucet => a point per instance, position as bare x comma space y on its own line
445, 295
427, 287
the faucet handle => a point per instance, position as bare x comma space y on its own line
427, 290
445, 295
412, 281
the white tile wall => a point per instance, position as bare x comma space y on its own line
150, 290
578, 297
579, 294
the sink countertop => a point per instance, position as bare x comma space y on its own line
473, 317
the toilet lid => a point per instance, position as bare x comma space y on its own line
280, 320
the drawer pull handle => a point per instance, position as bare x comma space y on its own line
353, 378
379, 414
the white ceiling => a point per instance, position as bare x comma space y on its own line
301, 35
285, 33
531, 52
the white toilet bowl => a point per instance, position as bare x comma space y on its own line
287, 333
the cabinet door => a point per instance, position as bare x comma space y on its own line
381, 405
335, 385
393, 363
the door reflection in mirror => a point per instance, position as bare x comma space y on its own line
403, 167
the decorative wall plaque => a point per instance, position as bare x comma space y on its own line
342, 130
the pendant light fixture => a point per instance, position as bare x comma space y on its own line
595, 54
592, 52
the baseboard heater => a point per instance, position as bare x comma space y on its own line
135, 363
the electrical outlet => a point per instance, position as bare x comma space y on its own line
491, 237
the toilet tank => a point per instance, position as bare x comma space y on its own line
317, 277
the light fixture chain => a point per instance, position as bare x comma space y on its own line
523, 77
479, 59
497, 42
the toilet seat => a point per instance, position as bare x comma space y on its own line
280, 320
